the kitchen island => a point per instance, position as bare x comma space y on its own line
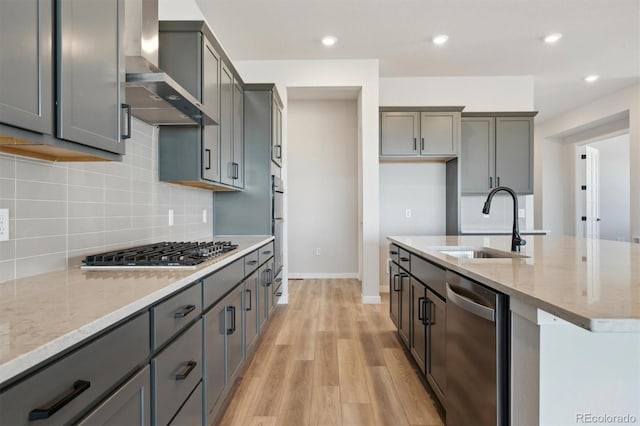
574, 318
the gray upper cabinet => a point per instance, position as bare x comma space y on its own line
84, 85
91, 79
276, 131
399, 133
210, 77
26, 72
439, 133
497, 151
420, 133
238, 135
226, 126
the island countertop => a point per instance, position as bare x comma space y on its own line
43, 315
594, 284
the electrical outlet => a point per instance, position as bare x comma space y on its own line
170, 217
521, 212
407, 213
4, 224
204, 216
318, 251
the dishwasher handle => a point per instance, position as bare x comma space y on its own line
471, 306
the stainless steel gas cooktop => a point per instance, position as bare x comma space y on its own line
166, 255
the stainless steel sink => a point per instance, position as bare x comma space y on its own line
479, 253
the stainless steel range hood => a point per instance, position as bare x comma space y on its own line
154, 96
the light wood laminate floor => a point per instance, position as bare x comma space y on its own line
327, 359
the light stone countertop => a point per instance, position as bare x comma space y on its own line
44, 315
594, 284
502, 232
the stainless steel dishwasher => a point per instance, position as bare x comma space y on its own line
477, 354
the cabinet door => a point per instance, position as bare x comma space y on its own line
437, 358
270, 276
26, 86
439, 133
238, 136
276, 132
214, 340
405, 307
226, 126
234, 345
477, 155
190, 413
418, 323
129, 405
211, 153
265, 288
250, 309
210, 78
90, 73
399, 133
394, 293
514, 153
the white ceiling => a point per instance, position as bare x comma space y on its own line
486, 38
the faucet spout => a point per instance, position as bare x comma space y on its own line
516, 240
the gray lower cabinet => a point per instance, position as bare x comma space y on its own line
394, 293
419, 321
90, 81
234, 325
269, 280
129, 405
190, 413
26, 85
436, 317
65, 389
496, 151
404, 328
173, 314
175, 372
415, 133
251, 308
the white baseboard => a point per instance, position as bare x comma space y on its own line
321, 275
371, 300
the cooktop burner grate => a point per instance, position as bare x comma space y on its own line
165, 254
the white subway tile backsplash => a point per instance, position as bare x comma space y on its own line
28, 190
30, 209
60, 211
29, 247
31, 228
40, 264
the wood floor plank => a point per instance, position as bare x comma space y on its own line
296, 405
385, 401
325, 406
261, 421
244, 395
353, 382
354, 414
305, 343
369, 346
326, 369
410, 389
268, 401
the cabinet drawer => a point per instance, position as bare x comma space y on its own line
175, 373
250, 262
429, 274
129, 405
404, 259
220, 282
265, 252
191, 412
101, 364
170, 316
394, 253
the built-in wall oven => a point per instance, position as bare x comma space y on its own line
277, 191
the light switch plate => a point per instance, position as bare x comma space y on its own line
4, 224
170, 217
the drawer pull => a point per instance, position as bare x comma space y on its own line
266, 253
186, 370
56, 404
393, 252
184, 311
404, 259
252, 262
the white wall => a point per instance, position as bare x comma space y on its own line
337, 73
322, 188
614, 188
553, 210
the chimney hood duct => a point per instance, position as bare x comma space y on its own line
154, 96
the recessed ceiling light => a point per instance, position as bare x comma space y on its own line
329, 40
591, 78
552, 38
440, 39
